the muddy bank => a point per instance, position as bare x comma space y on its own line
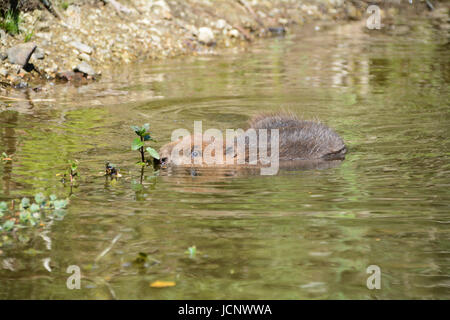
76, 41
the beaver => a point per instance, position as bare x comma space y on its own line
298, 141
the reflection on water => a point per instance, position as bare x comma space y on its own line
300, 234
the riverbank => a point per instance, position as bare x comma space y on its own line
78, 41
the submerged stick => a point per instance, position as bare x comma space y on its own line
104, 252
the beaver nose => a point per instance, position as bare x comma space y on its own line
163, 160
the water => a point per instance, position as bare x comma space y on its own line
305, 234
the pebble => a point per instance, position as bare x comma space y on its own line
4, 72
81, 47
39, 53
220, 24
84, 57
85, 68
21, 53
205, 35
233, 33
3, 36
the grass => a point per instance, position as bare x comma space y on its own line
28, 36
10, 22
65, 5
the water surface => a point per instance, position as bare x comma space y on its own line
303, 234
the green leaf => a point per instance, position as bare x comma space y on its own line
25, 203
34, 208
146, 127
60, 204
147, 137
3, 206
73, 166
136, 129
39, 198
153, 152
24, 216
192, 251
137, 143
8, 225
53, 197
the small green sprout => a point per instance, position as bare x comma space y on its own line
8, 225
111, 170
73, 169
143, 134
5, 157
28, 36
65, 5
192, 251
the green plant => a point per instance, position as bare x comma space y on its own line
5, 157
73, 169
10, 22
28, 36
192, 251
65, 5
143, 134
31, 213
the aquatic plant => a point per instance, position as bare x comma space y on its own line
110, 169
30, 213
143, 134
73, 169
192, 251
5, 157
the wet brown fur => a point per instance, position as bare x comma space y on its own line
300, 140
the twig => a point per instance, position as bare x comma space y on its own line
104, 252
250, 10
48, 5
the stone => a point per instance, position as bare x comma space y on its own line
84, 57
85, 68
3, 36
69, 76
39, 54
277, 30
4, 72
234, 33
3, 56
81, 47
220, 24
45, 35
21, 53
205, 35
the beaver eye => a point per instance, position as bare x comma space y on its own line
195, 154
